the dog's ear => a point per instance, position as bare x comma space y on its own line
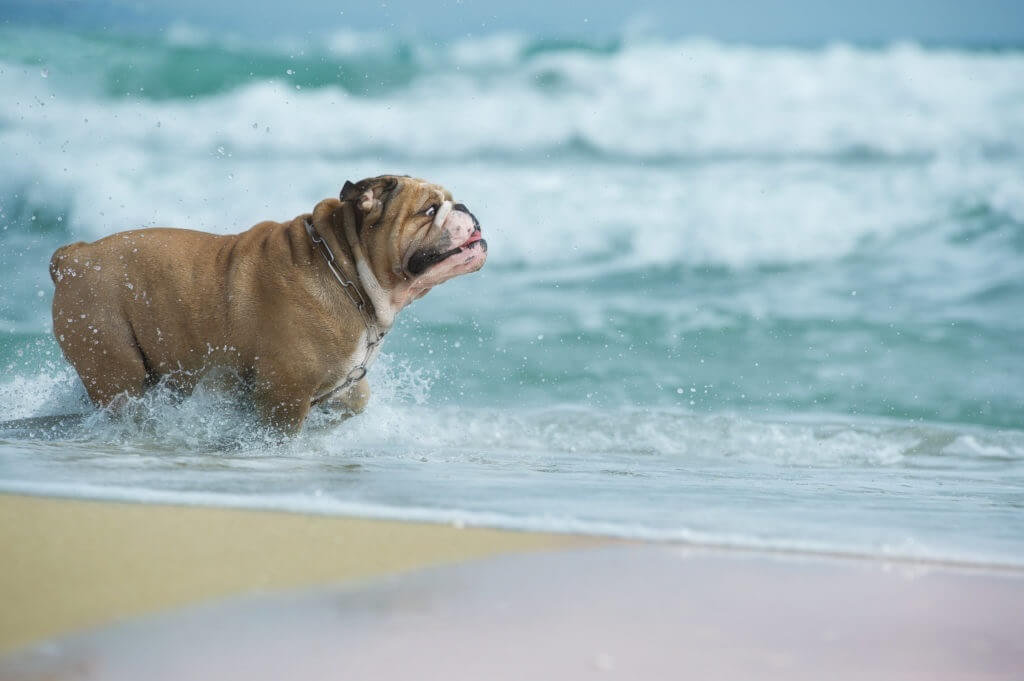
348, 192
366, 201
361, 194
366, 194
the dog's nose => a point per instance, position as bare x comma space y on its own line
462, 207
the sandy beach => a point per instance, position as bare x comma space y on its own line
613, 609
96, 589
69, 565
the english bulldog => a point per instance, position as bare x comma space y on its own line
297, 309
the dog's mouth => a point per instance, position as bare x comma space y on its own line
419, 262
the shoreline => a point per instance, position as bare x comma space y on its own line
430, 517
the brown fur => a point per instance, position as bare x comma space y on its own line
141, 305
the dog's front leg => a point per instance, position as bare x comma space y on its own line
351, 401
345, 405
283, 412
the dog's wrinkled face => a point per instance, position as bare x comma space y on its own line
414, 235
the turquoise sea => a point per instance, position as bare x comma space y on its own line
736, 295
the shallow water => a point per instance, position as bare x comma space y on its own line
754, 296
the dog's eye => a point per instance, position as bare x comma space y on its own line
430, 211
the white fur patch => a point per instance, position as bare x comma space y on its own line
380, 298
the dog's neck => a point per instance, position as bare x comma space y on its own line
379, 297
350, 268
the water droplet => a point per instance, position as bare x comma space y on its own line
45, 73
290, 72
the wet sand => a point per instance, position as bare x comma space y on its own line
278, 595
626, 611
68, 565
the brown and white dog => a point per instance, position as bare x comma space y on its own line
296, 309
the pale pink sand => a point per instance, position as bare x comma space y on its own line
626, 612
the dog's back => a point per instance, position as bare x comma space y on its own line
130, 307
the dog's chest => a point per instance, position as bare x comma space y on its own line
364, 355
353, 369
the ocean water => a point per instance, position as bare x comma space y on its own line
743, 296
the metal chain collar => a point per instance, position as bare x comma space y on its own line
373, 333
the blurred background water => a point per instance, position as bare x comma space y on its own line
760, 288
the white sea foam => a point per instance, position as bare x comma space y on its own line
902, 550
58, 391
268, 150
401, 422
818, 484
698, 102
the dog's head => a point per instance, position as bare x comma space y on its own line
413, 234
